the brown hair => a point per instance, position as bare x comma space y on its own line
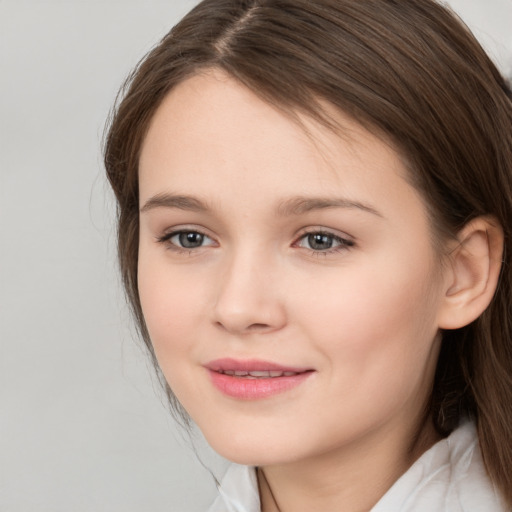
409, 69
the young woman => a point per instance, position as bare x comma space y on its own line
315, 211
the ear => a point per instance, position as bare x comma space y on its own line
472, 273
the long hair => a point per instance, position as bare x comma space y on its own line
408, 69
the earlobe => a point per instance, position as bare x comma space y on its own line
472, 273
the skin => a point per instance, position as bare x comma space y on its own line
363, 315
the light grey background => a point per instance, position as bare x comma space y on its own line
82, 424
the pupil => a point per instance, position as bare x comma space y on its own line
191, 240
320, 242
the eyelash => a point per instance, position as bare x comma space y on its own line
343, 244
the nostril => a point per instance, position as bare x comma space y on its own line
257, 327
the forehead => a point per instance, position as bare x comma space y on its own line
212, 136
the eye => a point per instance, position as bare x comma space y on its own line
186, 239
323, 242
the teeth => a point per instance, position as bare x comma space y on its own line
256, 374
264, 374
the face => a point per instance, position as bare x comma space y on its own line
287, 276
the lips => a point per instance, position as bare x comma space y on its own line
254, 379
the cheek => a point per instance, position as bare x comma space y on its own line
372, 325
172, 308
172, 302
377, 340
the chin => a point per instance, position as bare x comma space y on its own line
242, 447
252, 453
255, 447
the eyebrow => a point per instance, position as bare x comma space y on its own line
174, 201
301, 205
291, 207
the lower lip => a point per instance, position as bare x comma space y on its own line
244, 388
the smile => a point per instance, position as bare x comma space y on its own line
254, 380
257, 374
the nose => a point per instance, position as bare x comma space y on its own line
248, 296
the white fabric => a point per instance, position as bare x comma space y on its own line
450, 477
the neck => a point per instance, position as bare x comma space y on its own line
352, 479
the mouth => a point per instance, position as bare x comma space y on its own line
252, 379
242, 374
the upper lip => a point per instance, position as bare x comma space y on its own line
251, 365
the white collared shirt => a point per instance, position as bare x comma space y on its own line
449, 477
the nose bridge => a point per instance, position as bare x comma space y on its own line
248, 292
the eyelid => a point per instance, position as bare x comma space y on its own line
312, 230
170, 230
